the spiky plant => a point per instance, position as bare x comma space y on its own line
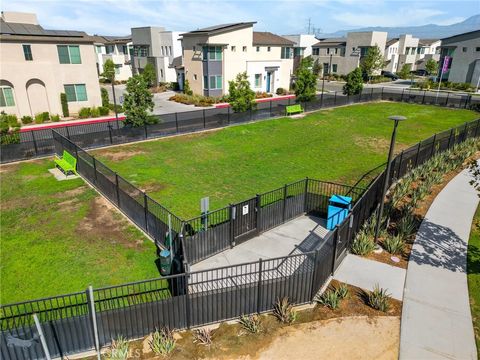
329, 298
163, 342
251, 323
203, 336
379, 299
394, 244
363, 244
283, 311
342, 291
118, 350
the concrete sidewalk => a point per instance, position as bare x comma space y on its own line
436, 319
365, 274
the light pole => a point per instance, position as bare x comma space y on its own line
396, 119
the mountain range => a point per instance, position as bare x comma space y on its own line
430, 31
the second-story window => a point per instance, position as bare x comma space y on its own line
258, 48
233, 48
110, 49
269, 48
315, 51
69, 54
286, 53
27, 52
212, 53
141, 50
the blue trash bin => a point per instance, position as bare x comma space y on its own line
338, 208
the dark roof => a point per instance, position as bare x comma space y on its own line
177, 63
391, 41
427, 42
461, 37
331, 42
267, 38
21, 31
216, 29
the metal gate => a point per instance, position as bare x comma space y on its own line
244, 220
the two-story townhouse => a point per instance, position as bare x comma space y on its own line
215, 55
156, 46
302, 46
427, 49
342, 55
115, 48
407, 51
391, 55
37, 65
464, 49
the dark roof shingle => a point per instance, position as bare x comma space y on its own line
267, 38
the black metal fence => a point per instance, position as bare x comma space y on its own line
37, 143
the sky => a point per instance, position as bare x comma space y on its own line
116, 17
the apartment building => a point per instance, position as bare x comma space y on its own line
302, 46
464, 49
156, 46
342, 55
407, 49
214, 55
37, 65
118, 49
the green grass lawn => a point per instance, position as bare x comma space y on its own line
235, 163
473, 270
59, 237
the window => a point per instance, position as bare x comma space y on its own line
334, 68
233, 48
285, 53
477, 49
141, 50
215, 82
194, 76
124, 49
6, 96
297, 51
336, 51
76, 92
258, 48
161, 73
27, 52
258, 80
364, 51
212, 53
464, 49
69, 54
244, 49
328, 51
117, 68
316, 51
325, 68
98, 49
269, 48
109, 49
194, 48
205, 82
170, 50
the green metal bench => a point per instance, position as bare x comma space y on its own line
67, 163
293, 109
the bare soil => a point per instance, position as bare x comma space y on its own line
118, 154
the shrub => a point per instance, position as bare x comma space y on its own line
103, 110
12, 120
40, 118
379, 79
55, 118
84, 112
27, 119
329, 298
118, 350
105, 98
283, 311
197, 100
281, 91
475, 107
64, 102
406, 225
119, 107
394, 244
354, 84
186, 88
251, 323
363, 244
404, 72
379, 299
342, 291
163, 342
94, 112
262, 95
203, 336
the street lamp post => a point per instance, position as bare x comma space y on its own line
396, 119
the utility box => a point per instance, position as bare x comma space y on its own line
338, 208
165, 262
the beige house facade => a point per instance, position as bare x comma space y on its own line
37, 65
115, 48
215, 55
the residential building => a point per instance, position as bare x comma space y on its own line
215, 55
156, 46
118, 49
302, 46
465, 52
37, 65
342, 55
391, 55
427, 49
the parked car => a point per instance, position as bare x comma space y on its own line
390, 75
420, 72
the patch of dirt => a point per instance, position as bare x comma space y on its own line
71, 193
102, 222
377, 144
8, 168
153, 186
119, 155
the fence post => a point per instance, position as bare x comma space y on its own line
433, 145
91, 302
95, 168
284, 210
403, 91
306, 194
204, 122
34, 142
68, 132
145, 206
146, 134
258, 209
446, 101
476, 129
465, 131
371, 95
313, 290
42, 337
423, 98
251, 115
381, 96
350, 226
232, 232
450, 138
398, 174
259, 286
110, 131
228, 114
335, 99
418, 152
271, 108
116, 188
176, 122
335, 243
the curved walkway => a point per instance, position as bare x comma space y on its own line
436, 320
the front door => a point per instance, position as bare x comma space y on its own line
269, 77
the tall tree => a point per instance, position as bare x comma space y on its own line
354, 84
306, 80
138, 100
109, 74
149, 75
432, 67
240, 96
373, 61
317, 67
404, 72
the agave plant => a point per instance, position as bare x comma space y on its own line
394, 244
363, 244
251, 323
283, 311
118, 350
342, 291
406, 226
329, 298
379, 299
163, 342
203, 336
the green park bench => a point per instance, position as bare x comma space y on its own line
67, 163
293, 109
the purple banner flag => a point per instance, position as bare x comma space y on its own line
446, 62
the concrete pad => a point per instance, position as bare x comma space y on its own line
365, 274
60, 176
436, 318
